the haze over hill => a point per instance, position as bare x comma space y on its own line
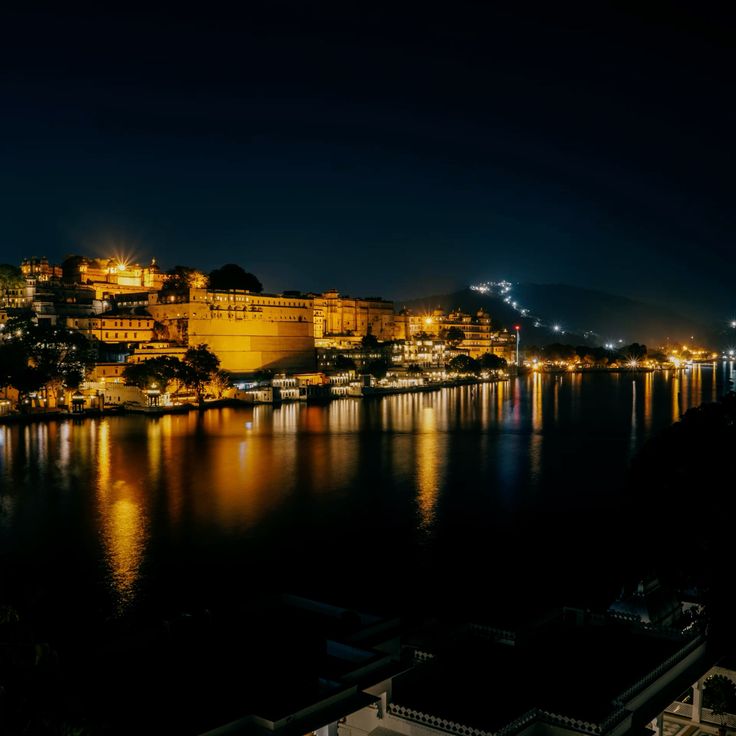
582, 315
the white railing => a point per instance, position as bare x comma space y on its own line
708, 715
656, 673
680, 709
441, 724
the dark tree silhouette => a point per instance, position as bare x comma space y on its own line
232, 276
181, 278
378, 368
343, 363
492, 362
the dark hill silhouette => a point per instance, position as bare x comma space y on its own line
584, 315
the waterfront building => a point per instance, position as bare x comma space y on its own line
337, 315
115, 326
156, 349
104, 386
425, 352
247, 331
479, 337
329, 358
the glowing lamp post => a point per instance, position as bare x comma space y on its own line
518, 332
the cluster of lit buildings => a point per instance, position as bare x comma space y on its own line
130, 313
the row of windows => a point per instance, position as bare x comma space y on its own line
123, 336
266, 302
259, 317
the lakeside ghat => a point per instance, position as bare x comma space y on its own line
321, 388
316, 388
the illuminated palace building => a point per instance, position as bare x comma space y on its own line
343, 319
247, 331
111, 276
127, 309
478, 336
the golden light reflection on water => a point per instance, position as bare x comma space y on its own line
632, 421
122, 518
535, 440
430, 460
676, 387
648, 382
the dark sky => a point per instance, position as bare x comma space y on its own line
380, 148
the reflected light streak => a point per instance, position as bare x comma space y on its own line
535, 439
125, 538
430, 463
123, 530
648, 382
675, 395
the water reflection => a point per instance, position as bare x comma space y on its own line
123, 524
535, 440
430, 461
291, 483
648, 399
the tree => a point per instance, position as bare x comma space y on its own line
232, 276
160, 372
492, 362
181, 278
200, 363
369, 341
220, 381
719, 694
558, 351
377, 368
11, 277
635, 351
47, 355
464, 364
343, 363
454, 336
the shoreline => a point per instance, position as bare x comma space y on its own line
119, 411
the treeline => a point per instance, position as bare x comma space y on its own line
229, 276
600, 356
42, 357
195, 371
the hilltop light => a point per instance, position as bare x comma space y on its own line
733, 323
556, 328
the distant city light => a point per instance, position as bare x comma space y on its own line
556, 328
733, 323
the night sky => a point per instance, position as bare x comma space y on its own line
380, 148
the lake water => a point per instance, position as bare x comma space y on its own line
508, 493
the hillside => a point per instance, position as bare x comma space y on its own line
582, 315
